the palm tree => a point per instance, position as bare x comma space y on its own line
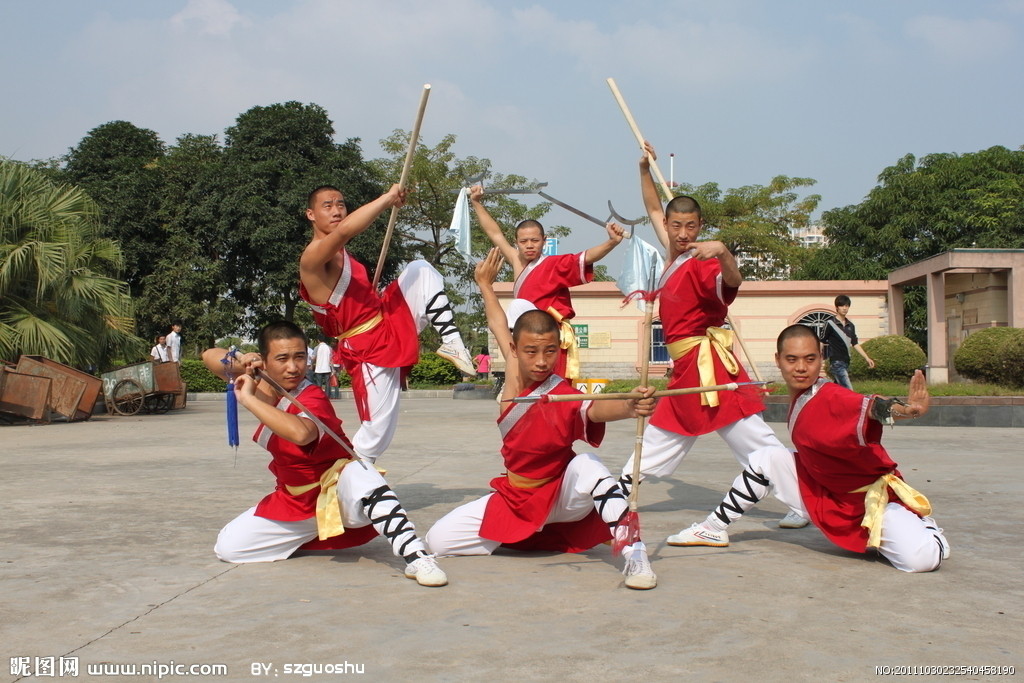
58, 296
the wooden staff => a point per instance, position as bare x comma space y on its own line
413, 139
640, 138
668, 196
610, 396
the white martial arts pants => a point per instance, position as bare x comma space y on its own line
906, 541
663, 451
458, 532
419, 283
248, 538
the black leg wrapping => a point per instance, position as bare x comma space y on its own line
391, 522
736, 502
626, 484
445, 327
612, 494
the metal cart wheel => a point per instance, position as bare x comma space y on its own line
128, 397
158, 404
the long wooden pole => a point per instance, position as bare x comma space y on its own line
641, 421
413, 140
667, 191
618, 395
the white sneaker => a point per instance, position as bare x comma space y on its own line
929, 523
793, 521
426, 572
639, 574
698, 535
459, 357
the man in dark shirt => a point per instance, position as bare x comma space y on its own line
839, 335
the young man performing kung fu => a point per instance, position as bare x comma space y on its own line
378, 334
840, 472
323, 499
550, 498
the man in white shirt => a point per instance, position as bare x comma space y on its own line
174, 343
322, 364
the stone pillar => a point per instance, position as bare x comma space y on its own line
938, 367
895, 309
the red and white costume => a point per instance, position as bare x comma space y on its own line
545, 283
838, 454
544, 501
378, 341
282, 523
694, 305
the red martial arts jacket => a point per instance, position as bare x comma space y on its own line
837, 452
389, 338
537, 446
694, 298
295, 465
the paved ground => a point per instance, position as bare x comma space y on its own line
106, 557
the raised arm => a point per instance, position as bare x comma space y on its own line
615, 235
485, 274
492, 229
652, 200
731, 275
240, 364
321, 251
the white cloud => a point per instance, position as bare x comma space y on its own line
212, 17
961, 40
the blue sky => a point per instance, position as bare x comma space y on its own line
739, 91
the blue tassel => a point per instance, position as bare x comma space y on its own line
232, 404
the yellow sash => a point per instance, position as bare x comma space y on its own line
521, 482
876, 497
328, 507
569, 343
363, 327
721, 340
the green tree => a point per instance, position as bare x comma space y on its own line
756, 222
58, 294
118, 165
273, 157
920, 209
189, 283
421, 229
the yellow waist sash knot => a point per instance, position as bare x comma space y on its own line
720, 340
569, 343
521, 482
328, 507
876, 497
362, 327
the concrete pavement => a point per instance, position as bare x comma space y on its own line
108, 527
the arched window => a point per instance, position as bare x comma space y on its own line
816, 320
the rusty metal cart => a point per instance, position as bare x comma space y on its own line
149, 386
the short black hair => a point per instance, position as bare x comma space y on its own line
312, 195
682, 204
792, 332
535, 321
842, 300
281, 329
530, 223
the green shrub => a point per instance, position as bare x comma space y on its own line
198, 378
1013, 360
435, 371
895, 356
981, 357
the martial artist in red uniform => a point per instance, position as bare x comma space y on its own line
323, 499
378, 334
550, 498
544, 281
695, 291
844, 478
